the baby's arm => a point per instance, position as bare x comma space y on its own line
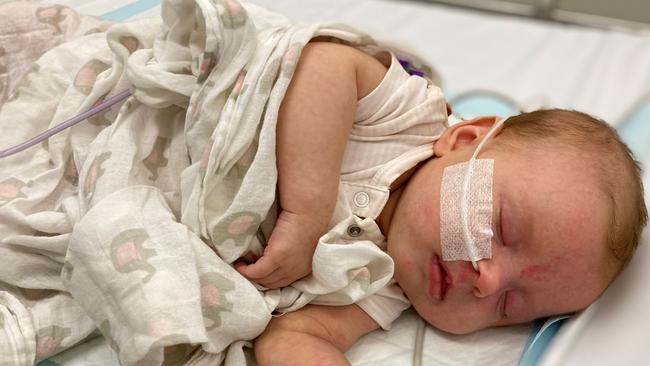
313, 335
314, 124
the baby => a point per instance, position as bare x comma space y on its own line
567, 202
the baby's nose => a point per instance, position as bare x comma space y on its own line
490, 279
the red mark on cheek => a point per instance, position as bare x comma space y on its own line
535, 272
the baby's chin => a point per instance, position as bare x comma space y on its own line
456, 325
455, 330
461, 326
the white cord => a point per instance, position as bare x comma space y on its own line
463, 198
419, 342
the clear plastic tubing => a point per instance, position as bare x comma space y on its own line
67, 124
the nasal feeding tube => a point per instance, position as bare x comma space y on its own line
67, 124
466, 192
463, 198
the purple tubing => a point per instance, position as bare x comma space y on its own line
67, 124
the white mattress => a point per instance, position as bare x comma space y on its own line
540, 64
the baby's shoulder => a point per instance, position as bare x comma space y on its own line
370, 72
368, 69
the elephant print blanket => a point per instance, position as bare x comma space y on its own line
128, 223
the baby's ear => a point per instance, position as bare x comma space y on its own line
463, 134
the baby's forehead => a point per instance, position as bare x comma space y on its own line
557, 163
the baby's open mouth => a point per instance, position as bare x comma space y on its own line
438, 279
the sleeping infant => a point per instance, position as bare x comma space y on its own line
358, 135
130, 224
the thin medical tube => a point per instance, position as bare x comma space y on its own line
67, 124
418, 348
463, 197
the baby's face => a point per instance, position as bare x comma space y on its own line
548, 248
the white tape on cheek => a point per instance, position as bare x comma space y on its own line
479, 210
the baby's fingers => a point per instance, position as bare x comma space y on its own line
277, 283
274, 280
258, 270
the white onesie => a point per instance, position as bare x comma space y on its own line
394, 129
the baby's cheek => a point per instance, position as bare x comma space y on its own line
536, 272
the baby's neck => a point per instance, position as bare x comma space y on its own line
396, 189
386, 215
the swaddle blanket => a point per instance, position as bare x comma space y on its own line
128, 223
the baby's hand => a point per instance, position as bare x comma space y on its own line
288, 254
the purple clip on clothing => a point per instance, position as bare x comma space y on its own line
409, 68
